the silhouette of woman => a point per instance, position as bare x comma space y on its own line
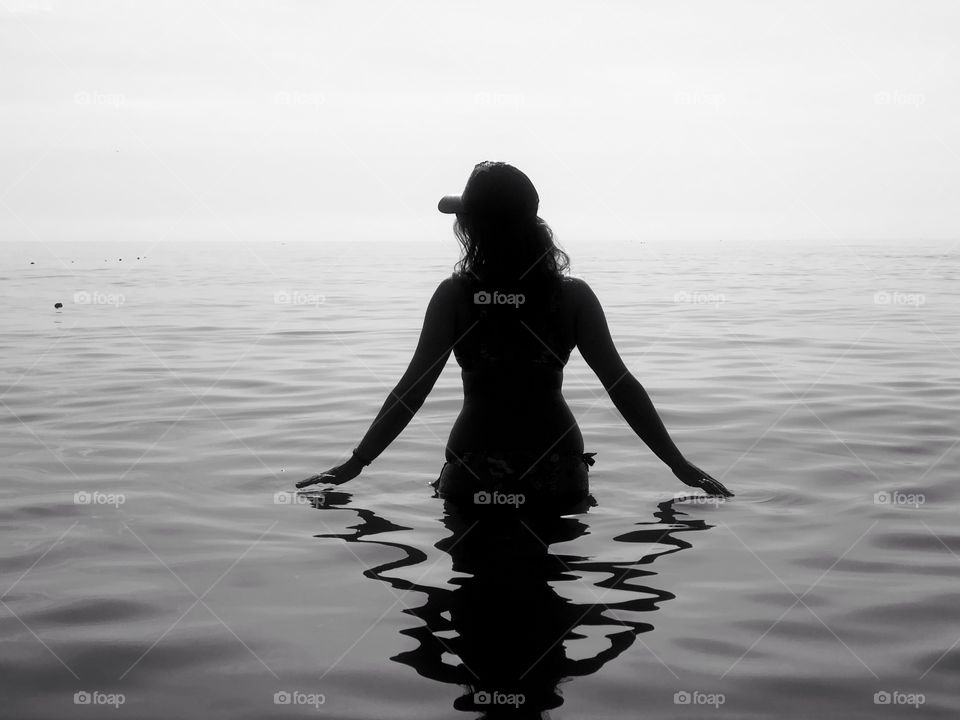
511, 316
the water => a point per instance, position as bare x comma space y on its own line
184, 396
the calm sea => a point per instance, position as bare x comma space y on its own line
156, 564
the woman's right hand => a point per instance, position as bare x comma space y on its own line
335, 476
693, 476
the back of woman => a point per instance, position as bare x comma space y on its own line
513, 339
512, 317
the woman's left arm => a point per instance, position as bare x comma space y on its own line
433, 349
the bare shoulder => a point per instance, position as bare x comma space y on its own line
450, 286
577, 292
575, 285
449, 293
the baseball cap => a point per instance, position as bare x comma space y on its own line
494, 190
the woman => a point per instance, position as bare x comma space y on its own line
512, 317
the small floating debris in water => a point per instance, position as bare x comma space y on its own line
57, 306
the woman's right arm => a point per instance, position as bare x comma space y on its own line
627, 394
433, 349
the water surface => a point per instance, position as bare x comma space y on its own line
185, 392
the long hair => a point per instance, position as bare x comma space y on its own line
512, 252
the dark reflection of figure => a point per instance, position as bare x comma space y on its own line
504, 621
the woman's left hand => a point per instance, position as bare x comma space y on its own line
693, 476
334, 476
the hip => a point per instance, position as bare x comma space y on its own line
498, 477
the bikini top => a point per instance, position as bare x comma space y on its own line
511, 329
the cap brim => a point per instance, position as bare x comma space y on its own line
450, 204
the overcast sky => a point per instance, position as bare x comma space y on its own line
147, 120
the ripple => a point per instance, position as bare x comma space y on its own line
108, 399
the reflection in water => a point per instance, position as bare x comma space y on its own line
505, 621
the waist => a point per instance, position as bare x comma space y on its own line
541, 428
513, 380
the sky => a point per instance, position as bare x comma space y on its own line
140, 120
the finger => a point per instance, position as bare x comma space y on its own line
708, 484
719, 489
707, 476
314, 479
714, 485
